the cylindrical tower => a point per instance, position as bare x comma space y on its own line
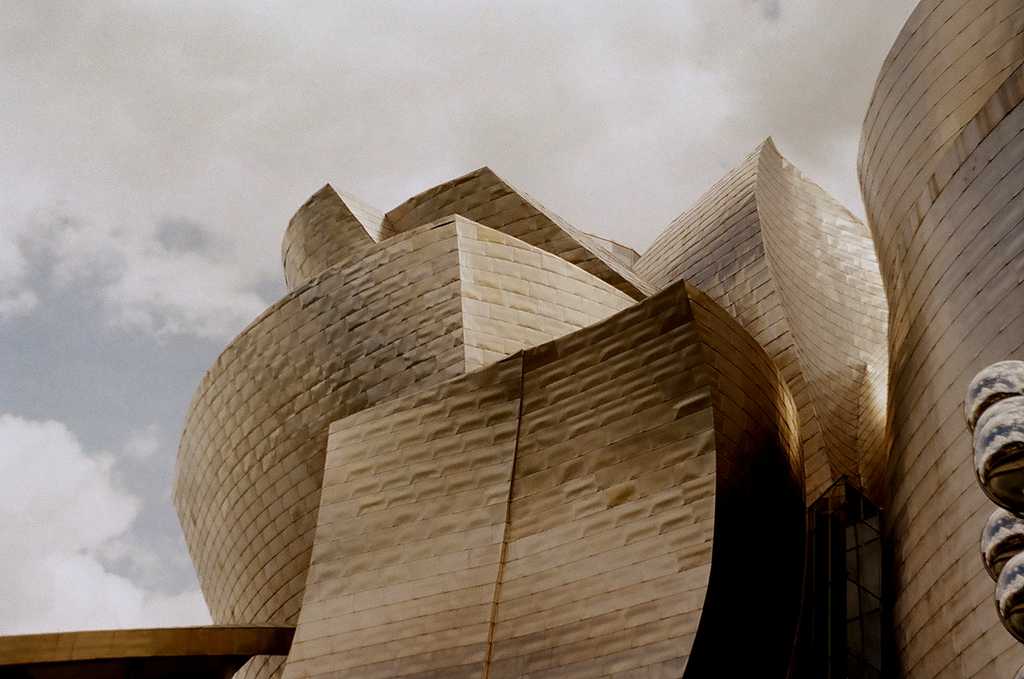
941, 174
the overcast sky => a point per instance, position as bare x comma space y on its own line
151, 154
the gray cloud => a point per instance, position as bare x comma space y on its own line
165, 277
152, 153
772, 9
230, 117
182, 235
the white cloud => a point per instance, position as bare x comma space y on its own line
143, 443
168, 292
59, 508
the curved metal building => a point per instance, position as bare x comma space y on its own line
462, 447
941, 174
475, 441
798, 271
416, 309
577, 509
628, 432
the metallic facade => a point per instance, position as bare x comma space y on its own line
421, 307
797, 270
555, 514
941, 178
465, 448
211, 652
476, 441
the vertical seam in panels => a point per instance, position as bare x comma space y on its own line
503, 555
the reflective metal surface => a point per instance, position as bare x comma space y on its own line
798, 271
999, 453
1001, 539
994, 383
581, 509
941, 174
411, 311
1010, 596
323, 232
486, 198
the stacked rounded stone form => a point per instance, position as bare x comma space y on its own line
994, 407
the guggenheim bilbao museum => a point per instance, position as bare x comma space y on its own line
474, 441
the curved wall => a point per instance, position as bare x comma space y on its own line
759, 473
942, 175
823, 262
797, 270
948, 60
409, 538
555, 514
413, 310
323, 232
612, 511
251, 455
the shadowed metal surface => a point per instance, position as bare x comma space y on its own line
205, 652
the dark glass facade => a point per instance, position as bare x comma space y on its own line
844, 616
